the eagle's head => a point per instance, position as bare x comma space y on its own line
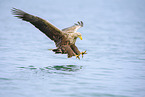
74, 36
77, 35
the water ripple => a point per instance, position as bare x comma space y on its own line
55, 68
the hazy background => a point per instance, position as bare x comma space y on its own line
113, 35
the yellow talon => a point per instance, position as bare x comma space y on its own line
77, 56
82, 53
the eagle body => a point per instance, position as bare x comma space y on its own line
64, 39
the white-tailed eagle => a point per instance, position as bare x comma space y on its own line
64, 39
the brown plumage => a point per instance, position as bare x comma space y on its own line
60, 37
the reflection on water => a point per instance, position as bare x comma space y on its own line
53, 69
64, 67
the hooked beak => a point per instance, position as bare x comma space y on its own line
80, 37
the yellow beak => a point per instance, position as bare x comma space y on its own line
80, 37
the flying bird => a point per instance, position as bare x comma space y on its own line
64, 39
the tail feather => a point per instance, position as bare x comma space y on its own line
57, 51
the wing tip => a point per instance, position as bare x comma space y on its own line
17, 12
80, 23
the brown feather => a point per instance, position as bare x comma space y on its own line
75, 49
68, 50
47, 28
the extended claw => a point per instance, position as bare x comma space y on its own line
82, 53
77, 56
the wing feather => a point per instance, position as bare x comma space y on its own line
47, 28
73, 28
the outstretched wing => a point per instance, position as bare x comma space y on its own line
73, 28
47, 28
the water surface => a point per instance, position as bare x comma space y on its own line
113, 35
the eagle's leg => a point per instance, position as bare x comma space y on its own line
69, 51
82, 53
75, 49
